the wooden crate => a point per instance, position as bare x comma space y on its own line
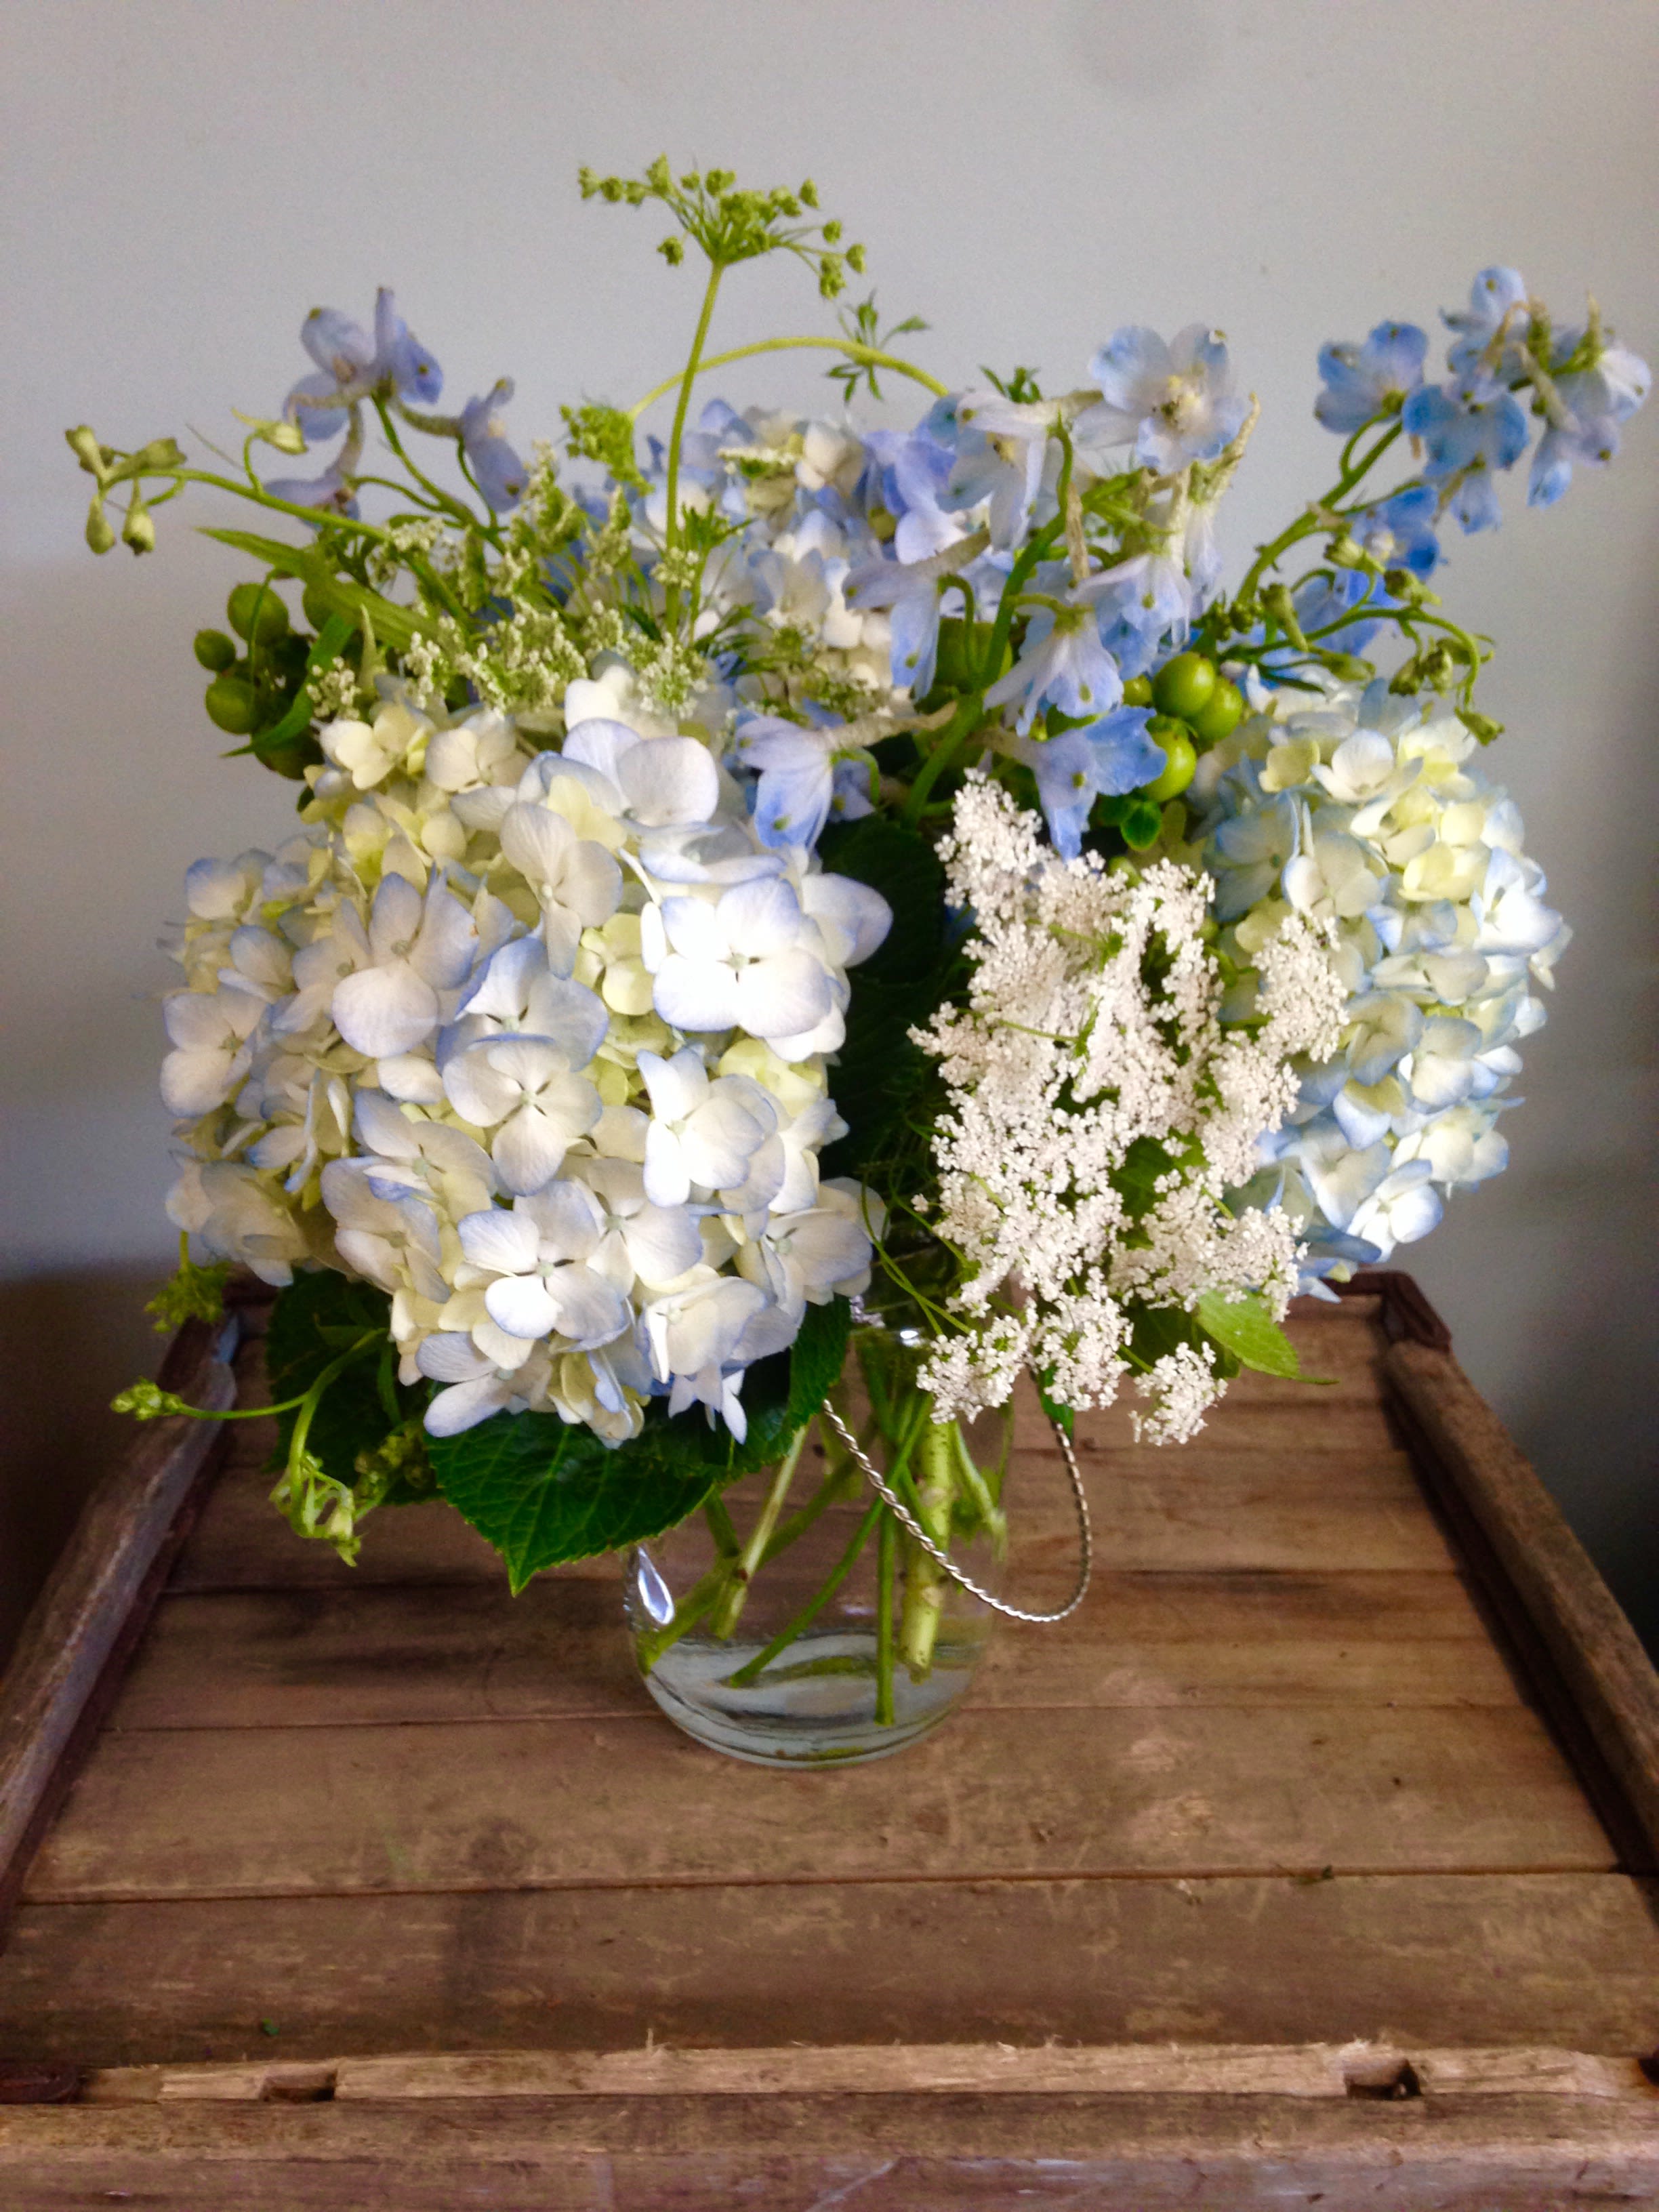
1305, 1865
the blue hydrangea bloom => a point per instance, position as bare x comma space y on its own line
1362, 381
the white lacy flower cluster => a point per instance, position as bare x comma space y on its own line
535, 1041
1364, 811
1099, 1115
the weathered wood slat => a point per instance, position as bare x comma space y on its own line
374, 1653
919, 2153
1191, 2070
548, 1803
1609, 1683
1567, 1959
91, 1600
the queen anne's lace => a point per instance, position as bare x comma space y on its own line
1099, 1115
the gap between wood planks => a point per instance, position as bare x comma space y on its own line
1359, 2070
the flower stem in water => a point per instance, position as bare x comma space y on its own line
743, 1677
924, 1578
886, 1556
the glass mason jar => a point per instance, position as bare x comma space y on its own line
793, 1621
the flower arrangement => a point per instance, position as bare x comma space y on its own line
790, 875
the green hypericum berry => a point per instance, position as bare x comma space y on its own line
234, 705
1221, 713
1137, 692
215, 650
1179, 759
256, 613
1182, 686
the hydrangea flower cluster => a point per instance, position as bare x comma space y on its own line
534, 1041
1100, 1115
1362, 812
582, 957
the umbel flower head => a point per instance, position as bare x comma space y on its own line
533, 1040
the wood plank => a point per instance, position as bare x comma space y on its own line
376, 1654
552, 1803
86, 1607
917, 2153
656, 2070
1568, 1960
1609, 1684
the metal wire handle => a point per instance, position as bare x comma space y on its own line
908, 1521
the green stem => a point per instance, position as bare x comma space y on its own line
1306, 524
719, 1526
924, 1578
670, 531
702, 1594
744, 1677
954, 736
726, 1612
886, 1559
867, 357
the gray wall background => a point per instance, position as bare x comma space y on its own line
185, 178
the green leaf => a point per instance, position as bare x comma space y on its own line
879, 1070
542, 1491
1246, 1329
314, 1320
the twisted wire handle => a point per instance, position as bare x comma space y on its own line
908, 1521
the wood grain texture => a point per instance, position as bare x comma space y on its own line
918, 2152
1607, 1677
378, 1653
1189, 2069
555, 1803
1568, 1960
89, 1600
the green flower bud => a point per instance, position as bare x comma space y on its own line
100, 531
93, 458
287, 437
160, 453
215, 650
146, 1402
138, 530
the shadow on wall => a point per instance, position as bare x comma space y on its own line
67, 1343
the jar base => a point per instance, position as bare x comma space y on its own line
814, 1707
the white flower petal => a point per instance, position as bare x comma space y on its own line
695, 994
781, 996
522, 1306
669, 780
498, 1239
384, 1011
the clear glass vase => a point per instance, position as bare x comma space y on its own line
793, 1621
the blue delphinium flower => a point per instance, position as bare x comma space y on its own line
1589, 404
330, 490
1469, 430
1376, 378
1140, 604
352, 365
1398, 532
807, 774
1062, 663
1497, 304
1174, 401
1106, 758
500, 472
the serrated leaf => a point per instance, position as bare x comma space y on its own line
543, 1491
1244, 1326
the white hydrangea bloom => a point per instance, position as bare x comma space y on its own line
533, 1040
1367, 809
